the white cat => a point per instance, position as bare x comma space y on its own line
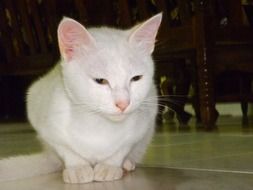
96, 109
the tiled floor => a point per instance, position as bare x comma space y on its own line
177, 159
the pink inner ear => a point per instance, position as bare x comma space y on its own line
72, 35
67, 41
146, 33
71, 32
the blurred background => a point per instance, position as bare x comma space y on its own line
203, 55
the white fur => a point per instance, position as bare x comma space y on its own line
78, 118
28, 166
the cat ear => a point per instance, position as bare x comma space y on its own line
144, 35
71, 36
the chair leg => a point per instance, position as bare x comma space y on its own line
178, 98
167, 89
244, 106
159, 117
182, 90
196, 107
245, 89
208, 111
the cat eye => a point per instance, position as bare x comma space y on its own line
136, 78
101, 81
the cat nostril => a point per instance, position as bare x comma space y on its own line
122, 105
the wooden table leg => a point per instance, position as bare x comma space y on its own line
204, 42
208, 112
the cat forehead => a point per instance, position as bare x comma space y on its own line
113, 55
106, 34
107, 62
113, 49
111, 41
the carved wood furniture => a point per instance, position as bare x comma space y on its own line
231, 53
28, 44
216, 48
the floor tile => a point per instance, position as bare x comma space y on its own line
176, 159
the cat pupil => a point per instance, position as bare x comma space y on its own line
104, 81
101, 81
136, 78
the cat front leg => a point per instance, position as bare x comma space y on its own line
129, 165
111, 168
77, 169
78, 174
106, 172
138, 150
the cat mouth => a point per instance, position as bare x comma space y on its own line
117, 117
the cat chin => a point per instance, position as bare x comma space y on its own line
117, 118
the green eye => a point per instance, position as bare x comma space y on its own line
101, 81
136, 78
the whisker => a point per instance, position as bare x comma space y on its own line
89, 108
165, 101
153, 104
160, 111
167, 98
169, 95
84, 104
172, 103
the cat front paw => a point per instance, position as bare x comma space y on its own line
103, 172
78, 174
129, 165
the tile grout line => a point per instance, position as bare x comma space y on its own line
199, 169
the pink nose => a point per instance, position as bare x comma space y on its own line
122, 104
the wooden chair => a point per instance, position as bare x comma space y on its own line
216, 49
29, 45
28, 48
189, 42
28, 31
28, 36
231, 51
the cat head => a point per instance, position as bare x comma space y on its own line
106, 70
